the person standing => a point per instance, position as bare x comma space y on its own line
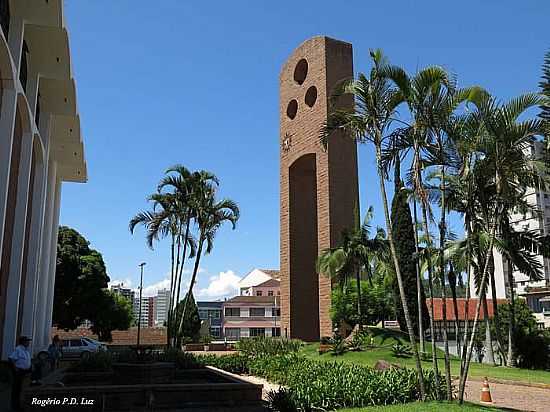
21, 361
55, 352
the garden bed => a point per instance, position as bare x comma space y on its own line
200, 389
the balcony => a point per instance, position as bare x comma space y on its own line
252, 318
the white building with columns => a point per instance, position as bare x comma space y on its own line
40, 148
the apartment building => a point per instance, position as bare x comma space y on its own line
161, 306
40, 148
147, 311
256, 312
126, 292
212, 312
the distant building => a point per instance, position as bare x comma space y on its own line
257, 283
256, 312
249, 316
147, 311
161, 305
461, 304
126, 292
538, 300
212, 312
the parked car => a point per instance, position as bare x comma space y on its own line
81, 347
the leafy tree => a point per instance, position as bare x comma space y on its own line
114, 313
191, 325
80, 288
80, 278
403, 232
376, 303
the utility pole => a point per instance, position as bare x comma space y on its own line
140, 295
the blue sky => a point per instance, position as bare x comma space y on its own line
197, 83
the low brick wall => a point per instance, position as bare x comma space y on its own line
148, 336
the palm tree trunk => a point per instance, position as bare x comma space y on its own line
193, 278
490, 355
455, 308
496, 317
359, 310
169, 303
442, 230
174, 279
512, 322
397, 268
431, 290
468, 359
183, 258
418, 281
467, 302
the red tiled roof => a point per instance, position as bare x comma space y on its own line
269, 283
461, 303
148, 336
252, 299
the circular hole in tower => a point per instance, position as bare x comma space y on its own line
311, 96
300, 72
292, 109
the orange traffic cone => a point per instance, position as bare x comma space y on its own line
486, 392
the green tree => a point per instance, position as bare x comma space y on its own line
115, 312
369, 121
80, 280
191, 325
80, 289
403, 232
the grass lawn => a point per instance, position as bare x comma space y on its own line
428, 406
385, 338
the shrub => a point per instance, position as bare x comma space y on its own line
533, 350
401, 351
281, 401
183, 360
339, 347
262, 346
238, 363
319, 385
95, 362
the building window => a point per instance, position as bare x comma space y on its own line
270, 293
232, 311
203, 314
259, 293
214, 314
233, 333
5, 17
257, 332
23, 69
215, 332
278, 293
260, 312
276, 332
276, 311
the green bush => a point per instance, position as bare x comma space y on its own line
533, 350
339, 346
281, 401
262, 346
231, 363
94, 362
401, 351
183, 360
331, 385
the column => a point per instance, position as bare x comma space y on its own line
42, 283
17, 249
35, 247
7, 123
48, 309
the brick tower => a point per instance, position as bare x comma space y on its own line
319, 193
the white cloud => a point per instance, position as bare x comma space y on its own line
225, 284
152, 290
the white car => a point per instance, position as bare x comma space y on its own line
81, 347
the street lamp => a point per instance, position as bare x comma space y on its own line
140, 293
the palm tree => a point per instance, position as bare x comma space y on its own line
184, 185
210, 215
369, 121
353, 256
505, 142
160, 222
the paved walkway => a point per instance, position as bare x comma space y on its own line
523, 398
